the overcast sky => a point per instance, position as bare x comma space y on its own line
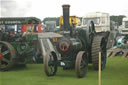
53, 8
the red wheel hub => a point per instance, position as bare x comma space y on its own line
1, 56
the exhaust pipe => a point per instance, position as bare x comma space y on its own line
66, 17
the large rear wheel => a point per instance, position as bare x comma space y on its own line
7, 56
99, 44
81, 65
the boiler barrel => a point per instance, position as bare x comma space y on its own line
69, 45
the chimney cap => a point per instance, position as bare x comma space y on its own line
66, 6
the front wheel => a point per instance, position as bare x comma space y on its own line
50, 64
81, 65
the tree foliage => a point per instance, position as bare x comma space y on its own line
117, 18
52, 19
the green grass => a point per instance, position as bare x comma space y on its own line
116, 73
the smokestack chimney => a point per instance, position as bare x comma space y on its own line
66, 17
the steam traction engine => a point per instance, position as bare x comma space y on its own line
77, 48
18, 45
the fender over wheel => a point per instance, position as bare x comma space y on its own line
81, 65
90, 31
50, 64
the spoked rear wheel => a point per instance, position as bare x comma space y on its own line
50, 64
81, 65
7, 56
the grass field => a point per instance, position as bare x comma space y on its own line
116, 73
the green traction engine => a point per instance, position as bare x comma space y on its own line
17, 48
77, 48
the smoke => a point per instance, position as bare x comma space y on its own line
14, 8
